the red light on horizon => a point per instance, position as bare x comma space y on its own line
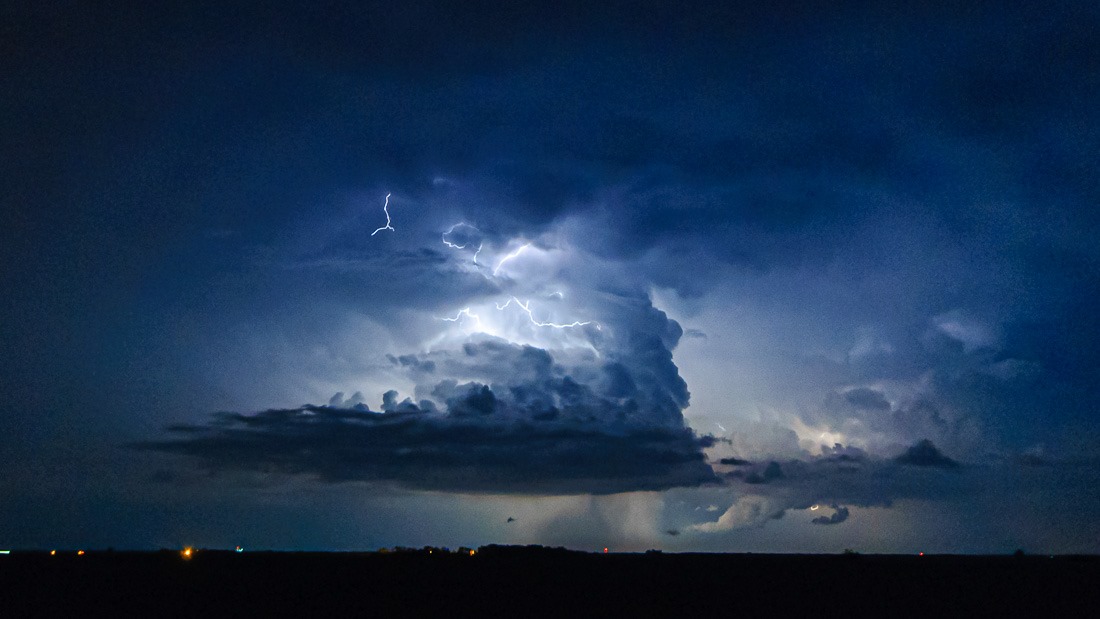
605, 550
921, 554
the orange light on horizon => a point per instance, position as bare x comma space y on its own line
80, 553
53, 552
187, 552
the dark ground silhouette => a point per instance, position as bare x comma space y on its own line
522, 582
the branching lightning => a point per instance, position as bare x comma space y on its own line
385, 209
464, 312
465, 243
510, 257
526, 307
452, 229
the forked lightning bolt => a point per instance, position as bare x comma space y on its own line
452, 229
507, 303
510, 257
526, 307
464, 312
385, 209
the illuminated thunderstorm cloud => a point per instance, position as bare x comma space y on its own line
506, 400
512, 256
546, 371
768, 489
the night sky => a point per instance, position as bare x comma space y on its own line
770, 277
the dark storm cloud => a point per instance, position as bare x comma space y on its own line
842, 453
841, 475
925, 173
924, 453
699, 107
490, 415
962, 381
422, 278
465, 450
868, 399
853, 475
839, 515
734, 461
875, 482
771, 472
866, 412
493, 417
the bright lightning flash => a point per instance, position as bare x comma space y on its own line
464, 312
386, 210
479, 318
526, 307
455, 245
510, 256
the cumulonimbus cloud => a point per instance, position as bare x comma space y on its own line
491, 416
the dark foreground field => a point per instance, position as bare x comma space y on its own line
522, 583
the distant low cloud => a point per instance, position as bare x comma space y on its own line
972, 334
734, 461
840, 514
842, 453
924, 453
771, 472
842, 476
867, 399
745, 511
